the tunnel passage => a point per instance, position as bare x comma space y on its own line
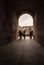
9, 11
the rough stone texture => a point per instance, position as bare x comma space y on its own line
40, 27
14, 26
39, 22
5, 22
2, 22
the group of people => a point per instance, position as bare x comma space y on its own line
23, 34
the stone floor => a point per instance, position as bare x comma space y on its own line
22, 52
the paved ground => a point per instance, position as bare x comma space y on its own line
22, 52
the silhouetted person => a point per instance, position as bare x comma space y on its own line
20, 34
31, 34
24, 34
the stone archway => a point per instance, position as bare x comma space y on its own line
21, 13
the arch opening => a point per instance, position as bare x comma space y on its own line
25, 25
25, 20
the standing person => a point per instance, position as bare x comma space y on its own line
20, 34
31, 34
24, 34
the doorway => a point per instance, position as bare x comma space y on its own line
25, 25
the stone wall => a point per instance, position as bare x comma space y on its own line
39, 22
5, 23
39, 27
14, 26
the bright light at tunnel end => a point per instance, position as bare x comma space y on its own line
25, 20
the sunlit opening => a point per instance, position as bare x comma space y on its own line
25, 26
25, 20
